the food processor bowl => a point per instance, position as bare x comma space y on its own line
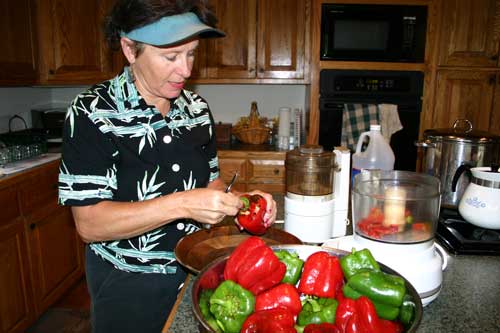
397, 207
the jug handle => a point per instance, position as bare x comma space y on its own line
458, 173
360, 141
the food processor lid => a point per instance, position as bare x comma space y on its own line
311, 157
461, 131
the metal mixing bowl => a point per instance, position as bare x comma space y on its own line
213, 274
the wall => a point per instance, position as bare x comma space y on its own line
227, 102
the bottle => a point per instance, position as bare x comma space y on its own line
377, 155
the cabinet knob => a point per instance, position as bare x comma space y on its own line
495, 57
51, 72
32, 226
493, 79
276, 171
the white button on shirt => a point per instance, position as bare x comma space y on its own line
167, 139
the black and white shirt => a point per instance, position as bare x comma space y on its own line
116, 147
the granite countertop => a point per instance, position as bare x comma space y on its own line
469, 300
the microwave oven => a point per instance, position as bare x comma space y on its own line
369, 32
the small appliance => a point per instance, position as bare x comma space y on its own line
317, 193
395, 215
373, 32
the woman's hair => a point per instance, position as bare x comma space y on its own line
128, 15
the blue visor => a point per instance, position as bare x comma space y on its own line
173, 29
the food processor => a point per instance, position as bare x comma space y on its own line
395, 215
317, 193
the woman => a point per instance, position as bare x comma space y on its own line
139, 162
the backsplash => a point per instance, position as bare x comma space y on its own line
227, 102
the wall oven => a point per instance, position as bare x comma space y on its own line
403, 88
370, 32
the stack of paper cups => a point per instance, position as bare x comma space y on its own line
284, 129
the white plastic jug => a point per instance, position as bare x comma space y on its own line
377, 155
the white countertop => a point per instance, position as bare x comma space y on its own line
28, 163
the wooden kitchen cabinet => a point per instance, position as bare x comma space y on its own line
40, 251
71, 45
466, 94
260, 46
470, 33
258, 170
17, 308
18, 57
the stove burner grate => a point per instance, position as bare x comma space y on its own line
461, 237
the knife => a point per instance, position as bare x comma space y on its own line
228, 188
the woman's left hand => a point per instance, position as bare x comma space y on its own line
270, 215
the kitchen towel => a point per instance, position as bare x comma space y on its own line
356, 119
389, 120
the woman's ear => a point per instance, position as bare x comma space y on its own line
128, 49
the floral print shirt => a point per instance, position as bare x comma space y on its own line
117, 147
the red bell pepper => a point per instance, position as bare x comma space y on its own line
283, 295
279, 320
322, 275
251, 216
360, 316
322, 328
345, 310
255, 268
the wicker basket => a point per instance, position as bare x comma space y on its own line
254, 136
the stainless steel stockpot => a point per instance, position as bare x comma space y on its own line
446, 149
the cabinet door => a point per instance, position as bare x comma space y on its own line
464, 94
282, 30
16, 301
470, 33
17, 59
233, 57
71, 43
495, 111
228, 166
56, 256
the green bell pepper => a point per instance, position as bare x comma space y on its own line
358, 261
379, 287
317, 311
384, 311
293, 266
231, 304
204, 303
407, 311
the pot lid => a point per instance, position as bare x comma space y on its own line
462, 131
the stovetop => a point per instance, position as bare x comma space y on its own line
461, 237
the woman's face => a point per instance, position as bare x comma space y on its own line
163, 71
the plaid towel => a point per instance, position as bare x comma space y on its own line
356, 119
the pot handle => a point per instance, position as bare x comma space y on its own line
425, 144
458, 173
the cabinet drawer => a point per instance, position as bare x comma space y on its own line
40, 189
10, 207
271, 169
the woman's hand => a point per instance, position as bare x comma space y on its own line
270, 216
210, 206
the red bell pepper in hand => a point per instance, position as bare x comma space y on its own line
322, 328
283, 295
279, 320
322, 275
251, 216
255, 268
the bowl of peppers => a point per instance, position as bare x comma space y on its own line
303, 288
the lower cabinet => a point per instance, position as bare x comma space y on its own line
40, 251
257, 170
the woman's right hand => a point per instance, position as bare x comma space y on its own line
209, 205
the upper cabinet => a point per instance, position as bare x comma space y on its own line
260, 46
72, 48
470, 33
18, 56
